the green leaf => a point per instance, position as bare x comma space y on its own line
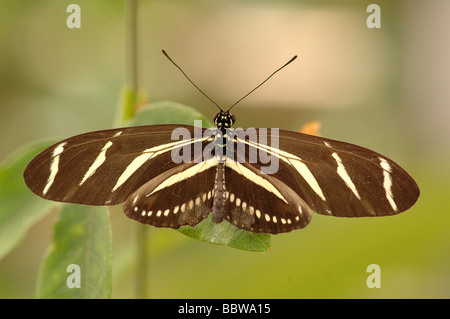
82, 237
167, 112
227, 234
224, 233
19, 207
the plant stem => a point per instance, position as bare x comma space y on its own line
141, 276
131, 89
128, 111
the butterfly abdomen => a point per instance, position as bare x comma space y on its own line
219, 194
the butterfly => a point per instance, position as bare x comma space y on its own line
260, 180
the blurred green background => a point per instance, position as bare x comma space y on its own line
385, 89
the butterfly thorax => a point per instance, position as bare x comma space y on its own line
223, 121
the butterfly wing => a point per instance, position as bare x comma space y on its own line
136, 166
180, 196
105, 167
261, 203
332, 177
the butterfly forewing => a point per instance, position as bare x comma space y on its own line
104, 167
336, 178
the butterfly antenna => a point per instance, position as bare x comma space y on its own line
295, 57
167, 56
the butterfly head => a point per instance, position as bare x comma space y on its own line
224, 119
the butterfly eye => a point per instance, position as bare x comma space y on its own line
233, 119
216, 116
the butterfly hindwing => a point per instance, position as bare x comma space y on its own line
180, 196
260, 202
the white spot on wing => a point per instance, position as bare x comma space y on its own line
385, 165
387, 182
97, 162
304, 171
54, 166
293, 160
132, 167
245, 172
342, 172
145, 156
198, 168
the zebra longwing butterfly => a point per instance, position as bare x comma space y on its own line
218, 175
